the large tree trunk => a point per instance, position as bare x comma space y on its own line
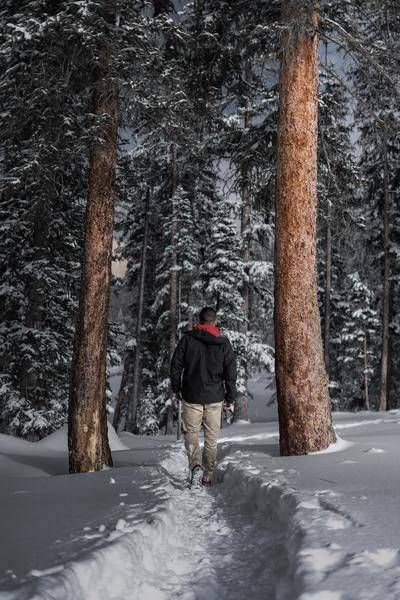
138, 349
384, 390
328, 248
303, 399
87, 427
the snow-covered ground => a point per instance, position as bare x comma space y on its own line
321, 527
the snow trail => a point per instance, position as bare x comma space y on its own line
222, 549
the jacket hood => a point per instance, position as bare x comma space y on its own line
206, 338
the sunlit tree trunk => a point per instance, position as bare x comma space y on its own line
302, 387
87, 426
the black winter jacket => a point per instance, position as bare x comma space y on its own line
208, 365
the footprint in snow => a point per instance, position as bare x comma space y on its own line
382, 557
319, 561
374, 451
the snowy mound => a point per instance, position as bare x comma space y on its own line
115, 442
59, 440
56, 441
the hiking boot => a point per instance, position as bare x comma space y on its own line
195, 476
207, 481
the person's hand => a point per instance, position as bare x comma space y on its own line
178, 397
226, 405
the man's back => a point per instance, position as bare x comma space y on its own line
208, 365
203, 375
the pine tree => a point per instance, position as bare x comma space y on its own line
380, 144
87, 420
339, 226
356, 343
303, 400
147, 419
44, 173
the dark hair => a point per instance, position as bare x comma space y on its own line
207, 315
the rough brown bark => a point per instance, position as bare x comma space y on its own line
87, 426
384, 388
133, 404
328, 252
302, 390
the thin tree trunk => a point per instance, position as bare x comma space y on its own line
246, 213
132, 407
87, 425
173, 278
241, 410
366, 391
123, 394
328, 285
179, 424
384, 391
303, 400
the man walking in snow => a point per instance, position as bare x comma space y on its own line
203, 377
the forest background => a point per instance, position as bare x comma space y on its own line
196, 97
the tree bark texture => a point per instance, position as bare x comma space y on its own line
302, 387
384, 387
133, 404
87, 432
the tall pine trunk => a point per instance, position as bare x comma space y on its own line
384, 388
133, 404
121, 407
303, 399
87, 425
328, 285
173, 279
241, 405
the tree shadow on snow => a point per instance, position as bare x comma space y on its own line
50, 465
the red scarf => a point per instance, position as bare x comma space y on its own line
213, 329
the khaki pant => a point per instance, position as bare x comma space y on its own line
193, 415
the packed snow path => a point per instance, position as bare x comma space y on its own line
220, 549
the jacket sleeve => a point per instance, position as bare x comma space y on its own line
177, 364
230, 373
